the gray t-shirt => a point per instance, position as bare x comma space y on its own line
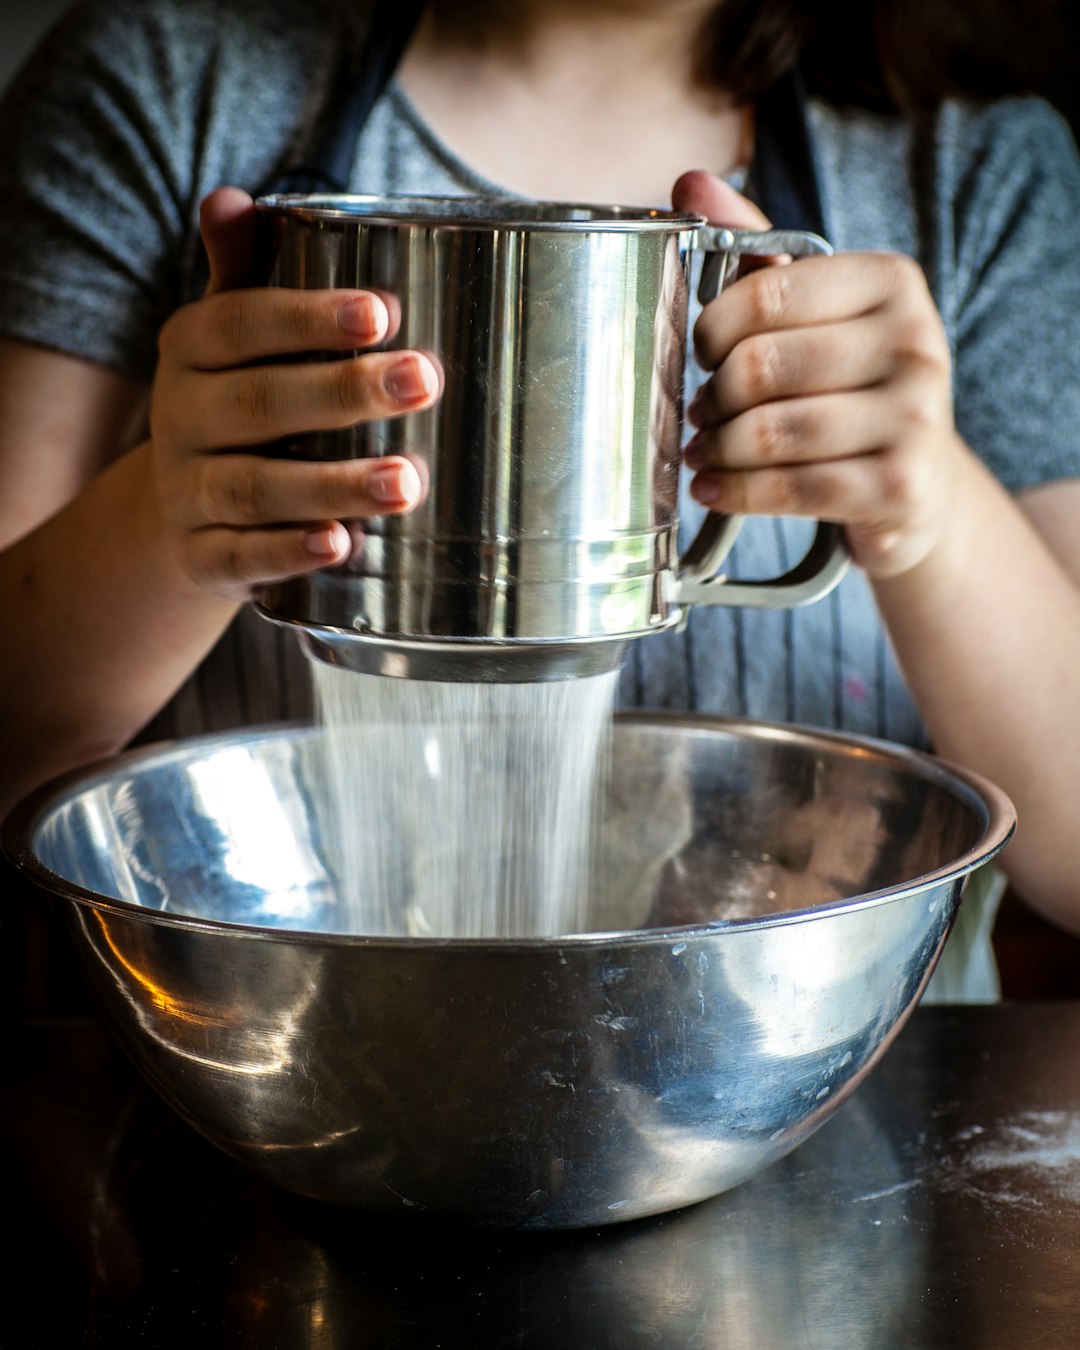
134, 109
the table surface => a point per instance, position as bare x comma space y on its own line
939, 1207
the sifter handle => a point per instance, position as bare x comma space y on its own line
827, 559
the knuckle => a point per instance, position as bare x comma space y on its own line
814, 490
244, 493
910, 294
773, 491
232, 321
178, 335
328, 488
233, 490
232, 563
299, 325
707, 349
169, 333
917, 340
350, 387
921, 405
776, 433
904, 482
904, 274
768, 295
789, 493
195, 567
257, 397
760, 366
205, 493
201, 561
174, 415
225, 562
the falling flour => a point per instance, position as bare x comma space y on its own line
462, 810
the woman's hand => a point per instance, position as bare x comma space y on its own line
242, 518
830, 395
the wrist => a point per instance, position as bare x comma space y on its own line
962, 554
935, 525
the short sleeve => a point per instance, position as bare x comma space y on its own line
1017, 296
127, 115
95, 204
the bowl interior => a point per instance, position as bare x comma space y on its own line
704, 821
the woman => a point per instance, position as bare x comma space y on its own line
138, 519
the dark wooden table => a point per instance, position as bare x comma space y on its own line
939, 1208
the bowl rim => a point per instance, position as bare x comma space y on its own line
988, 801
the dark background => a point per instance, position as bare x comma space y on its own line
21, 24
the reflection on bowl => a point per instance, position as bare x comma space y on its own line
769, 905
786, 1261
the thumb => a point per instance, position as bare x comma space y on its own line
703, 194
230, 230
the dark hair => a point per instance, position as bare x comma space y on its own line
899, 54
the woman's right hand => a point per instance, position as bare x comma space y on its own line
242, 518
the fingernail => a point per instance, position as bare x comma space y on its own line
694, 454
364, 317
693, 409
411, 379
394, 484
705, 490
323, 542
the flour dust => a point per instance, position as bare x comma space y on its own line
462, 810
1025, 1161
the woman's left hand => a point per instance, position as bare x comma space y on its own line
830, 395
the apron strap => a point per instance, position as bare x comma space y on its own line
360, 82
782, 179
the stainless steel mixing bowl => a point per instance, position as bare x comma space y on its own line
770, 905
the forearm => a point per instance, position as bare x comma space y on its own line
987, 631
103, 625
